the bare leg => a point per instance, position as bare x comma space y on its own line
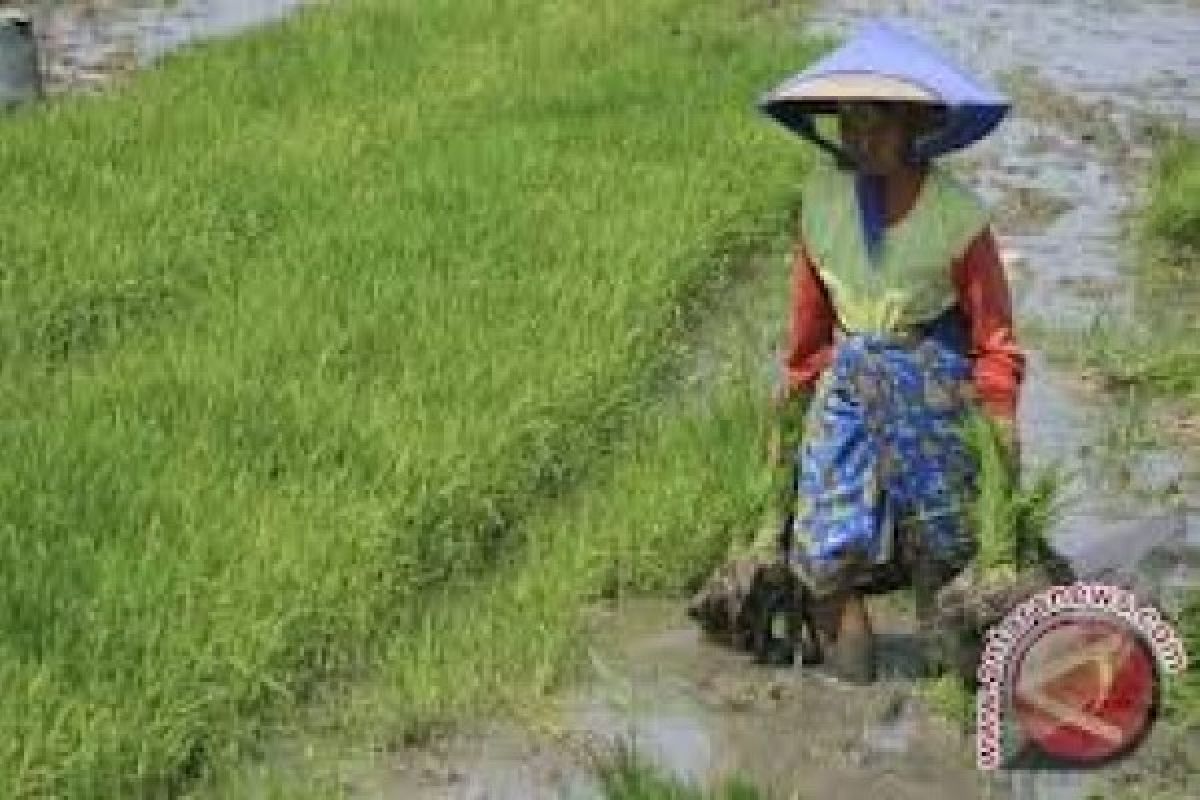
931, 642
854, 620
828, 614
854, 648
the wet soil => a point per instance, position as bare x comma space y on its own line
706, 713
86, 45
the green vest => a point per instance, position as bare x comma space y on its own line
912, 281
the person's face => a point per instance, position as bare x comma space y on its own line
876, 136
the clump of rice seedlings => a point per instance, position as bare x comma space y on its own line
1011, 518
1173, 217
1183, 695
625, 774
950, 698
1124, 356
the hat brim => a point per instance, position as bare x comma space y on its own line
822, 94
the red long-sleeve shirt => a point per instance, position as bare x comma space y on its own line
998, 364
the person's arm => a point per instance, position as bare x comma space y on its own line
808, 351
810, 335
998, 363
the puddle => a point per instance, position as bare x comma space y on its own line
705, 714
85, 44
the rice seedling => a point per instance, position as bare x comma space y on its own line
1172, 219
625, 774
1182, 695
1011, 518
948, 697
1165, 361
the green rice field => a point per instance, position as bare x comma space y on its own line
349, 365
297, 329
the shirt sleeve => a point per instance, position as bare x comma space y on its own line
998, 363
810, 335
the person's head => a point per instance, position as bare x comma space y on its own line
879, 136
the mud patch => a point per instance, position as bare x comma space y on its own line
86, 45
1030, 208
706, 713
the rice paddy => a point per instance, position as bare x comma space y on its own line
296, 330
1149, 362
1172, 241
325, 351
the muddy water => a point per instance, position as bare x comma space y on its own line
84, 44
1091, 80
704, 712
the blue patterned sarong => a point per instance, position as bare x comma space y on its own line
883, 469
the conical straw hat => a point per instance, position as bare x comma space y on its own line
883, 62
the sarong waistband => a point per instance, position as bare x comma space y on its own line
905, 337
948, 328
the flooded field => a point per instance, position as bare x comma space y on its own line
1094, 83
84, 44
703, 712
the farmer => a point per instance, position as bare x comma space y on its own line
901, 325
